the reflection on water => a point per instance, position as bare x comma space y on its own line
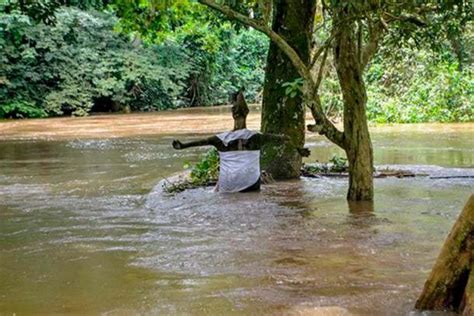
84, 230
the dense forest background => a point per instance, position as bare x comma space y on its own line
85, 59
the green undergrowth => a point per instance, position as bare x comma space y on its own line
21, 109
417, 87
203, 173
207, 169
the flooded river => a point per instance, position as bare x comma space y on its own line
84, 230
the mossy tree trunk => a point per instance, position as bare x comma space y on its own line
281, 114
357, 143
450, 285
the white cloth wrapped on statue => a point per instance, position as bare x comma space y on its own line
239, 169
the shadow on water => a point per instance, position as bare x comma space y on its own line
85, 230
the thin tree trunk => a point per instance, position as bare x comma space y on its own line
357, 143
450, 285
281, 114
359, 156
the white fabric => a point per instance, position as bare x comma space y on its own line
239, 170
227, 137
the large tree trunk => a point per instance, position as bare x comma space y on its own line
281, 114
450, 285
357, 143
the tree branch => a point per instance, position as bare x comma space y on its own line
376, 31
319, 78
407, 18
320, 51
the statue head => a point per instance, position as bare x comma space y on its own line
240, 110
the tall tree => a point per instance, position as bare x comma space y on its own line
350, 68
284, 113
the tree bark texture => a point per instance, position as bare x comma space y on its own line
281, 114
450, 285
357, 143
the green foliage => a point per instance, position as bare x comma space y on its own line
203, 173
293, 88
45, 10
419, 86
410, 86
80, 63
225, 56
59, 60
241, 63
20, 109
312, 168
207, 169
37, 10
331, 96
431, 23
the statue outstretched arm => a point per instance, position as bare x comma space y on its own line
201, 142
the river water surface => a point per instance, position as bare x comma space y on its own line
84, 229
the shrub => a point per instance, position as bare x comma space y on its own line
20, 109
207, 169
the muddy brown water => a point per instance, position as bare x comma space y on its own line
85, 230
